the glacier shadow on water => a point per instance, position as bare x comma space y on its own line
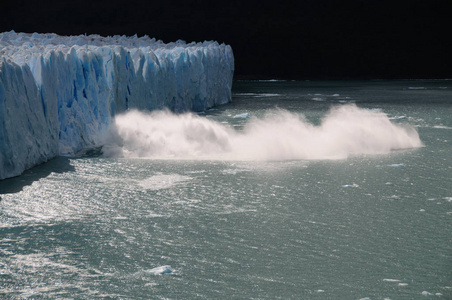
16, 184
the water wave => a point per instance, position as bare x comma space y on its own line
281, 135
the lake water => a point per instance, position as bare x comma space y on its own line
270, 197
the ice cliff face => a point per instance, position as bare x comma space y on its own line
59, 94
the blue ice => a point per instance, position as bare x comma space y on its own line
59, 94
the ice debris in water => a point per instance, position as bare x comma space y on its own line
161, 270
397, 118
350, 185
397, 165
426, 293
242, 116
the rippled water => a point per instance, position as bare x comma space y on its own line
369, 226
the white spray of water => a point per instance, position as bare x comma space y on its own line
344, 131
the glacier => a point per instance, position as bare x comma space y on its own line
59, 94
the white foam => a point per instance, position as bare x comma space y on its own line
256, 95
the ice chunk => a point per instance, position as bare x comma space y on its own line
242, 116
397, 165
398, 118
161, 270
350, 185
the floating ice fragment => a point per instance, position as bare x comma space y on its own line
391, 280
403, 284
397, 165
317, 99
397, 118
350, 185
242, 116
335, 95
416, 88
161, 270
442, 127
425, 293
267, 95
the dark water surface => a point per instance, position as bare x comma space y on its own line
365, 227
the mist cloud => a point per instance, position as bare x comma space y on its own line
281, 135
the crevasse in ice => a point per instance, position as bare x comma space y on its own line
58, 94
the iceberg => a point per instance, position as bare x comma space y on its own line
59, 94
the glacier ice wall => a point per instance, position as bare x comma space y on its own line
58, 94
